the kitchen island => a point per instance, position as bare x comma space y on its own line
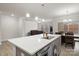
36, 45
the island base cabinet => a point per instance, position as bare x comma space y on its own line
55, 48
44, 51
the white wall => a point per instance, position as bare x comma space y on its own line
9, 27
21, 27
25, 25
0, 34
30, 25
12, 27
45, 26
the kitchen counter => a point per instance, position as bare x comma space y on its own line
32, 44
75, 35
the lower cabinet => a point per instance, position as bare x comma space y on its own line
52, 49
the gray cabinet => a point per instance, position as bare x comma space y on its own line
55, 47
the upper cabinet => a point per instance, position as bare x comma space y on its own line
68, 27
61, 26
71, 27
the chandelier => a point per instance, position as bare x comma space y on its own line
67, 17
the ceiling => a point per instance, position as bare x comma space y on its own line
48, 10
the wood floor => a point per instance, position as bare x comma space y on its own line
68, 51
6, 49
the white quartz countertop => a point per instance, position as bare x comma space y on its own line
32, 44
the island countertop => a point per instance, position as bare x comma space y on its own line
32, 44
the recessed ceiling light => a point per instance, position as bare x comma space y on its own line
12, 14
43, 20
65, 20
39, 22
36, 18
27, 15
70, 20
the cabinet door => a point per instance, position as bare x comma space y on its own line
71, 28
55, 47
60, 26
76, 28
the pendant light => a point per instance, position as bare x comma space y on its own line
36, 18
12, 14
27, 15
67, 17
43, 20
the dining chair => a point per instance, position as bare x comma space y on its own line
69, 39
